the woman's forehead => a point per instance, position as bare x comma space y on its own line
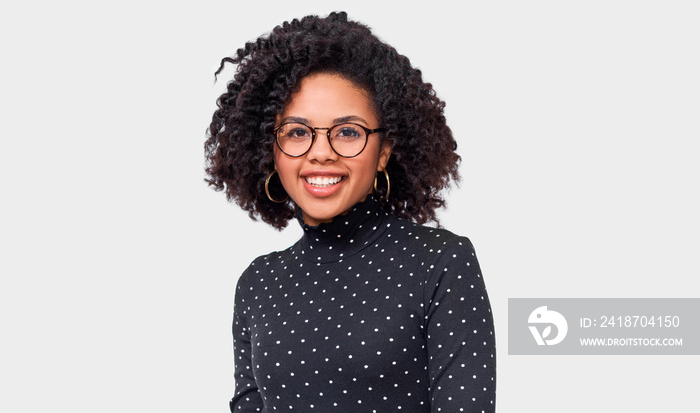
327, 97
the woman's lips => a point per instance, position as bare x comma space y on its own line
323, 181
322, 185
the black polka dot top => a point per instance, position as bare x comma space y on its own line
367, 313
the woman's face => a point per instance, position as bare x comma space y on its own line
322, 183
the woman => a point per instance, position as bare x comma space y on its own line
369, 310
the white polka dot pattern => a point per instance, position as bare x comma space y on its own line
368, 313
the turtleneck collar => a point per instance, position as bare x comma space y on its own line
345, 235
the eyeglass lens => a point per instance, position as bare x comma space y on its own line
346, 139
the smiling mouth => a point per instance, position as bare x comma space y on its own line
323, 182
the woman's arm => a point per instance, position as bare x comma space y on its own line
460, 333
247, 396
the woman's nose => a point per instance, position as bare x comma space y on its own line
321, 150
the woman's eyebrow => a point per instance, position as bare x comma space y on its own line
349, 118
296, 119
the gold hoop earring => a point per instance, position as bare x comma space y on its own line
388, 184
267, 189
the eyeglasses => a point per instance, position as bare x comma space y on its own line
346, 139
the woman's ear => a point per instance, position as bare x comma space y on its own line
384, 154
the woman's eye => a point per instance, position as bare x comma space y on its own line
348, 133
298, 133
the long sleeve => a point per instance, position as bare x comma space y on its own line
247, 397
460, 333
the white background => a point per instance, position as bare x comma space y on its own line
578, 127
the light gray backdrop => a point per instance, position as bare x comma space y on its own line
578, 127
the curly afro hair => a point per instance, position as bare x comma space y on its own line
239, 146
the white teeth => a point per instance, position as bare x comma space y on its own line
323, 182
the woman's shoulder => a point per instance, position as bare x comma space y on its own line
442, 254
424, 236
268, 263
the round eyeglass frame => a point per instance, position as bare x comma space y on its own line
313, 130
